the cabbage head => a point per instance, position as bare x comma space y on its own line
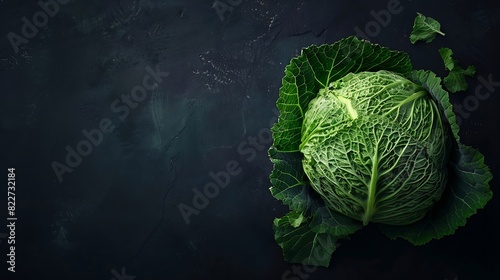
375, 148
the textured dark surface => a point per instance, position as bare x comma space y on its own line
119, 207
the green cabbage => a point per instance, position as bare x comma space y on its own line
375, 148
362, 137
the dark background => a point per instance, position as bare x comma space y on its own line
119, 208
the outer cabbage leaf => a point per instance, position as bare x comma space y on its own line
300, 244
468, 183
425, 29
455, 81
289, 182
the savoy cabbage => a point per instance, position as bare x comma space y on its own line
363, 138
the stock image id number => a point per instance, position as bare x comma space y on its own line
11, 188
